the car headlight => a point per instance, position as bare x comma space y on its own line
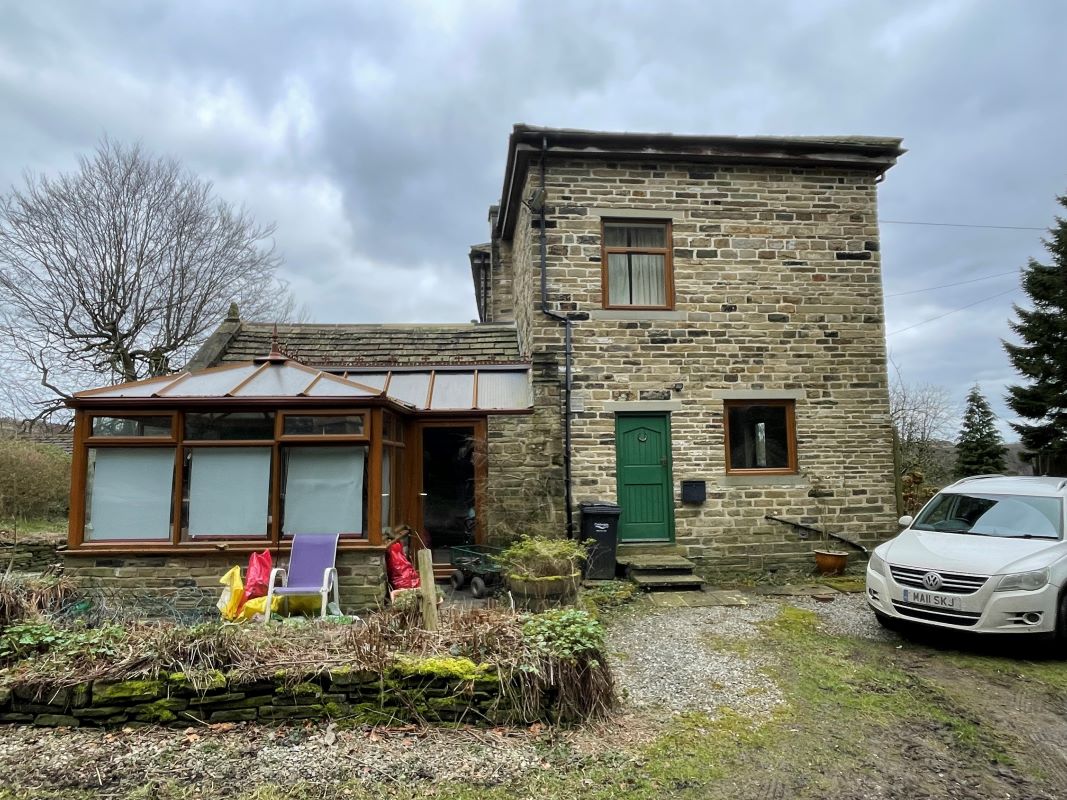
876, 564
1024, 581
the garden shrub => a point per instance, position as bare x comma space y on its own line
564, 633
34, 481
542, 557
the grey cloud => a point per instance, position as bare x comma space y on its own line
410, 104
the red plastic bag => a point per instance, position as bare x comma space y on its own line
259, 566
401, 574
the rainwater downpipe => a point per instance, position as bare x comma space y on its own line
567, 354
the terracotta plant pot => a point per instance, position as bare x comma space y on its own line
830, 562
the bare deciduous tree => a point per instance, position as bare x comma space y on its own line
118, 271
925, 419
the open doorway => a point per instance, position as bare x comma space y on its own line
448, 489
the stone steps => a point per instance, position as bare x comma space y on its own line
675, 582
659, 568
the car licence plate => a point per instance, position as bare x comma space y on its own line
931, 599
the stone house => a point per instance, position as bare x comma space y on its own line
689, 325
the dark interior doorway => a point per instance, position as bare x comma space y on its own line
448, 481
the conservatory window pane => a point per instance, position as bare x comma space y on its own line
387, 489
323, 425
324, 490
128, 493
130, 425
229, 491
230, 426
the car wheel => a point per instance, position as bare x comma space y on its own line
457, 579
1060, 637
478, 588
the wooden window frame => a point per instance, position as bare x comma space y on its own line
668, 261
371, 438
182, 538
91, 440
791, 436
282, 436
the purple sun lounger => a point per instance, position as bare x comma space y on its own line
311, 571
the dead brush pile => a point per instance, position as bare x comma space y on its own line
548, 668
24, 596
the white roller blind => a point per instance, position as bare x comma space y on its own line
228, 490
387, 491
131, 492
324, 490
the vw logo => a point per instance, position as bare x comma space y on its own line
932, 581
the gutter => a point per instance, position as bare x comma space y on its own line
568, 325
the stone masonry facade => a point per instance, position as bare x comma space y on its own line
191, 582
778, 295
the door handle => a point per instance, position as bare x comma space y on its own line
663, 461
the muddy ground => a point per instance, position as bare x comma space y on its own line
801, 699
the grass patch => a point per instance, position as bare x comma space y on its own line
838, 681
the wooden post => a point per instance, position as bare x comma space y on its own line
428, 589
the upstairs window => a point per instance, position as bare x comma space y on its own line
760, 437
637, 265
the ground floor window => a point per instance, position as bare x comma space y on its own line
227, 491
129, 493
760, 436
324, 490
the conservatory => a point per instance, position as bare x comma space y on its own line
173, 474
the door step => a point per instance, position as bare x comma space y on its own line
655, 561
660, 569
651, 581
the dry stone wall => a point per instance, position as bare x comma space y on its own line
357, 696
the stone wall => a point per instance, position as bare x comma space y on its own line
191, 581
778, 294
524, 493
34, 553
415, 694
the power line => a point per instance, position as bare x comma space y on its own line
958, 283
962, 225
953, 311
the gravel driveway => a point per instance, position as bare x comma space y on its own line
670, 659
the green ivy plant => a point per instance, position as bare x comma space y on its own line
28, 639
564, 633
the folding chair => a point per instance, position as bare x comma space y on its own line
312, 570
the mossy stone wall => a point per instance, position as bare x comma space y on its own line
441, 690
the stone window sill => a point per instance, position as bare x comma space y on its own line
619, 315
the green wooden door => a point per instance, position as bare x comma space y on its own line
643, 477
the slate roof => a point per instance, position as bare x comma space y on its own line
335, 346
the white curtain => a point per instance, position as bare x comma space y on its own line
130, 493
228, 491
635, 279
648, 280
324, 490
619, 279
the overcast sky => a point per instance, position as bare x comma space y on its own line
374, 134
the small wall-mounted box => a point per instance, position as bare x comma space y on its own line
694, 491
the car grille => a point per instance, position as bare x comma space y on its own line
963, 618
951, 582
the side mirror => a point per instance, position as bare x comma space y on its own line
905, 521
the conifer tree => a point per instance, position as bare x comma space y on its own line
1041, 358
980, 449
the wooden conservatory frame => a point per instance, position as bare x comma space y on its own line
387, 423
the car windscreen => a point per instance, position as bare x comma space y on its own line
993, 515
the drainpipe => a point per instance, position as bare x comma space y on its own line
567, 353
